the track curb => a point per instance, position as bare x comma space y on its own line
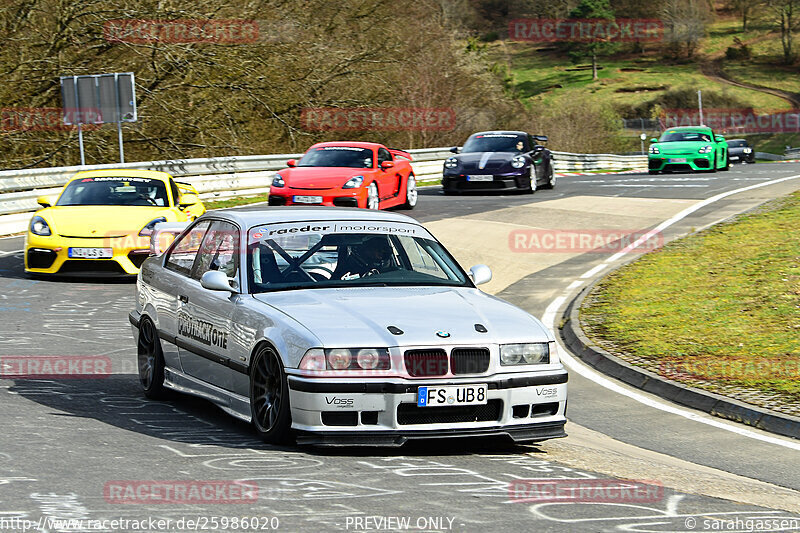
721, 406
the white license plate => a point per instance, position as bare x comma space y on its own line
91, 253
678, 160
307, 199
480, 177
451, 395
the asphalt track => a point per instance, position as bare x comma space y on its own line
65, 441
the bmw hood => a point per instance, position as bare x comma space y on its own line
479, 161
427, 316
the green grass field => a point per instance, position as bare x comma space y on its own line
724, 299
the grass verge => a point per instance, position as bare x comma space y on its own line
716, 309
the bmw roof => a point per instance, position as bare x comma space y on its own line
253, 216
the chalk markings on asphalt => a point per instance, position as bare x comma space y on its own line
573, 363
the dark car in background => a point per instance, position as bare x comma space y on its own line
739, 151
499, 160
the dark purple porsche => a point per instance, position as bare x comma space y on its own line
499, 160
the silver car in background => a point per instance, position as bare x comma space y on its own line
335, 326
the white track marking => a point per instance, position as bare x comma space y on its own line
3, 254
581, 368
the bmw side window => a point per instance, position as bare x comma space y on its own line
383, 155
184, 252
219, 251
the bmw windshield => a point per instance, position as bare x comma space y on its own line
313, 255
495, 142
113, 190
337, 156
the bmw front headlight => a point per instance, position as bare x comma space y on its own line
451, 162
39, 226
518, 161
705, 149
535, 353
654, 149
332, 359
277, 181
354, 183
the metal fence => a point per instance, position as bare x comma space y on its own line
226, 177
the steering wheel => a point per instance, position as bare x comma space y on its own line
146, 198
311, 270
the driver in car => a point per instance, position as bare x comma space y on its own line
373, 256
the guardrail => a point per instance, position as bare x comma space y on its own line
226, 177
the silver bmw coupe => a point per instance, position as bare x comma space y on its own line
334, 326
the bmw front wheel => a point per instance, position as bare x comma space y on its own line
269, 397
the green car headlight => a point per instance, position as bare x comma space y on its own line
654, 150
705, 149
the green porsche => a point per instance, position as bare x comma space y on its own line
689, 148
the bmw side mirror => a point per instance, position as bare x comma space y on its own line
455, 149
719, 138
653, 140
214, 280
480, 274
291, 163
537, 148
387, 165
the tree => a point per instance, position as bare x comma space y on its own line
744, 8
684, 24
786, 14
599, 44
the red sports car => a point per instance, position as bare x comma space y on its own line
347, 174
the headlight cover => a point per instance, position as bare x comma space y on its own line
705, 149
277, 181
39, 226
354, 183
148, 228
654, 149
345, 359
451, 162
518, 161
535, 353
748, 150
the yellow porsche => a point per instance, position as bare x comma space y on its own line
101, 222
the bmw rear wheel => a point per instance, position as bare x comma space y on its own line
269, 397
411, 192
373, 200
150, 360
